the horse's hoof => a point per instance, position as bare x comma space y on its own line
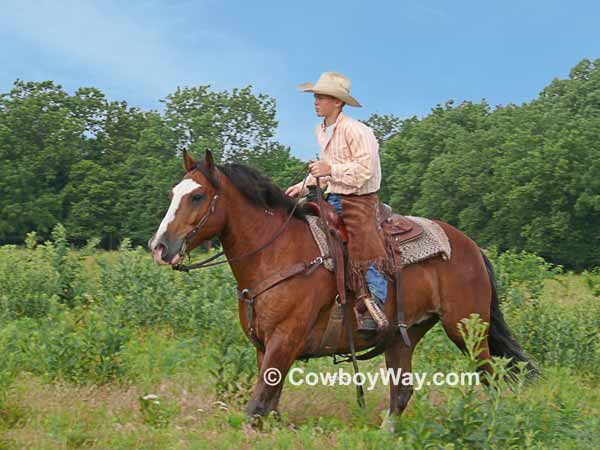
255, 421
388, 423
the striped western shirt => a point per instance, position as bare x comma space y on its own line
352, 152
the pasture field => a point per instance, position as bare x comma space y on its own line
106, 350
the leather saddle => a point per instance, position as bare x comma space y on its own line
395, 226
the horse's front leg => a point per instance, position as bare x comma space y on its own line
259, 359
260, 355
280, 353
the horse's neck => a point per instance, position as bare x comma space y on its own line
246, 233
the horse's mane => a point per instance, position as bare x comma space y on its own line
257, 188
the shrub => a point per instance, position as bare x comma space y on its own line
505, 414
520, 273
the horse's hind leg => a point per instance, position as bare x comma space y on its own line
399, 357
465, 289
450, 322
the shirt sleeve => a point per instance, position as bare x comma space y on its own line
356, 172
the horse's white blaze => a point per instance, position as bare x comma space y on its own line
179, 191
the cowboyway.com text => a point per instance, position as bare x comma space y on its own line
298, 376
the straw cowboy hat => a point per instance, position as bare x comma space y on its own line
334, 84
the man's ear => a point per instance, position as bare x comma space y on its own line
209, 162
188, 162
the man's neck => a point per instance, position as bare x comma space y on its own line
330, 120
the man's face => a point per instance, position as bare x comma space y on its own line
326, 105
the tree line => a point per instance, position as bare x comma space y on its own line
521, 177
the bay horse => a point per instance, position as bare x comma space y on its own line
245, 209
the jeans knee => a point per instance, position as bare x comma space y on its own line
336, 201
377, 283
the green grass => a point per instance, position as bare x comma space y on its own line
87, 336
561, 411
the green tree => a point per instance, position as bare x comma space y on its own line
233, 124
519, 177
91, 197
384, 127
407, 155
276, 161
39, 142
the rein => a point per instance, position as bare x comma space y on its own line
207, 262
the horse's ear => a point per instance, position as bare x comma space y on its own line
188, 162
209, 161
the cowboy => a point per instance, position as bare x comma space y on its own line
349, 164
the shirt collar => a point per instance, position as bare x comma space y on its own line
340, 117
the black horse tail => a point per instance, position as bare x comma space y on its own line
501, 342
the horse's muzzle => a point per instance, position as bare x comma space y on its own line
165, 251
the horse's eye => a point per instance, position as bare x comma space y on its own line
197, 197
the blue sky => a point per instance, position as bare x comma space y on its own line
403, 57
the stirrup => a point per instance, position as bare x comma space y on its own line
365, 323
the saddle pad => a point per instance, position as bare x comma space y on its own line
432, 242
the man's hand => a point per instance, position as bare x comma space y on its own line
293, 191
320, 169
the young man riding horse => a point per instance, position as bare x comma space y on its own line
349, 163
286, 295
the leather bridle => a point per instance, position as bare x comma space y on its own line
207, 262
188, 237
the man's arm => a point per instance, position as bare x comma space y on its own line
294, 190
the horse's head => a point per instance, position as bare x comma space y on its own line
193, 215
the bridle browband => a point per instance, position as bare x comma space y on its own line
207, 262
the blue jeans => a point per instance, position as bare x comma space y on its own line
376, 282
